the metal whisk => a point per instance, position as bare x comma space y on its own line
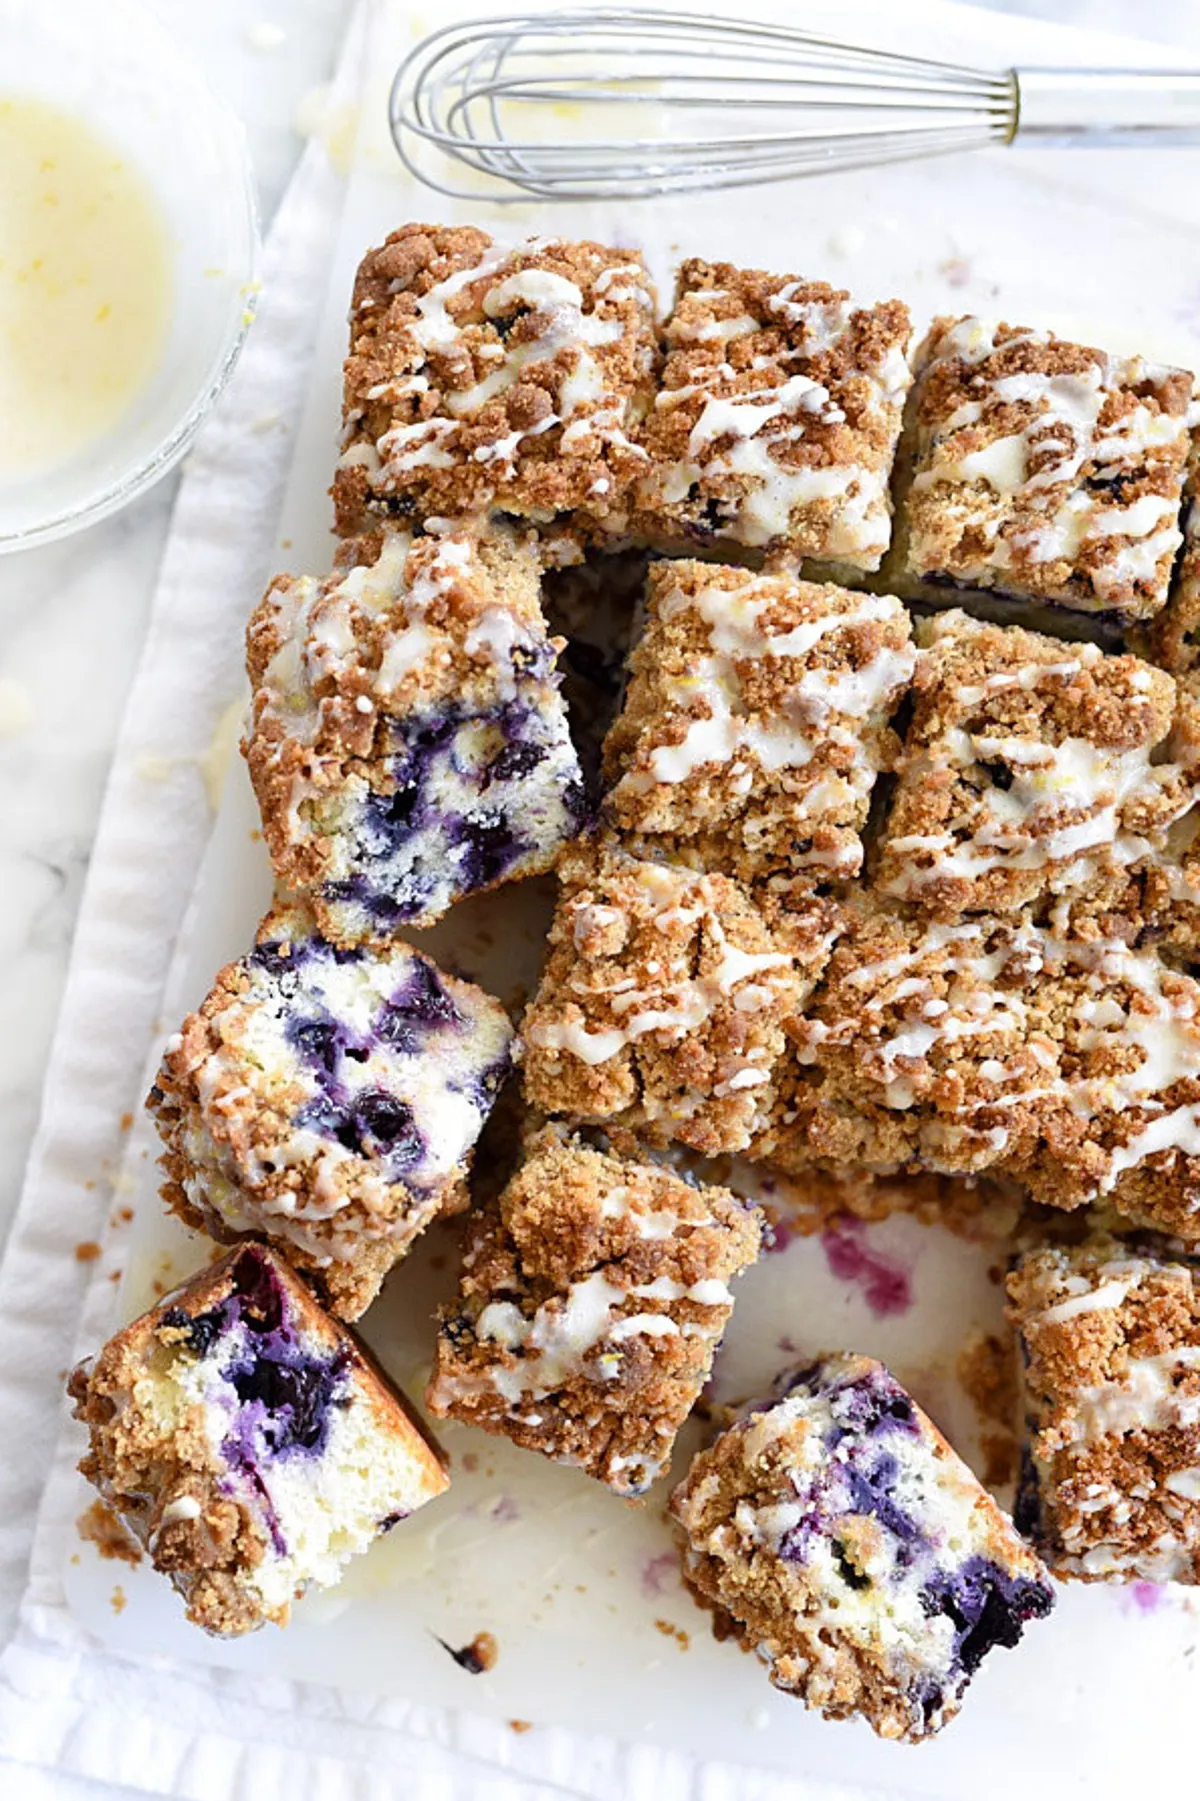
729, 104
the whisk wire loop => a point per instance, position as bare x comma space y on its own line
510, 100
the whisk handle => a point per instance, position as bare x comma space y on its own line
1096, 107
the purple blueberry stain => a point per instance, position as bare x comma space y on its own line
658, 1574
777, 1236
1145, 1597
483, 1084
861, 1473
870, 1484
484, 848
318, 1042
421, 1009
886, 1285
872, 1404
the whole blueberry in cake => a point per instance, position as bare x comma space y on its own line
832, 1530
248, 1442
409, 743
328, 1100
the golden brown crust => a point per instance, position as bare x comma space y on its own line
664, 998
755, 724
604, 1382
1111, 1359
1046, 469
804, 465
515, 388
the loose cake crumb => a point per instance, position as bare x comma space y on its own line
100, 1526
477, 1657
670, 1630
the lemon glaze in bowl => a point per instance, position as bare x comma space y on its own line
117, 74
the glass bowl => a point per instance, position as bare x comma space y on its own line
115, 67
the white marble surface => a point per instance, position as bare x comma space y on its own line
72, 616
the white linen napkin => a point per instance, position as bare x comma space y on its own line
77, 1719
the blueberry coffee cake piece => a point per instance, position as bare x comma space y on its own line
755, 722
408, 742
482, 377
248, 1441
593, 1299
1127, 1127
1067, 1065
328, 1100
833, 1531
1032, 770
663, 1001
1110, 1357
776, 421
925, 1047
1048, 471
